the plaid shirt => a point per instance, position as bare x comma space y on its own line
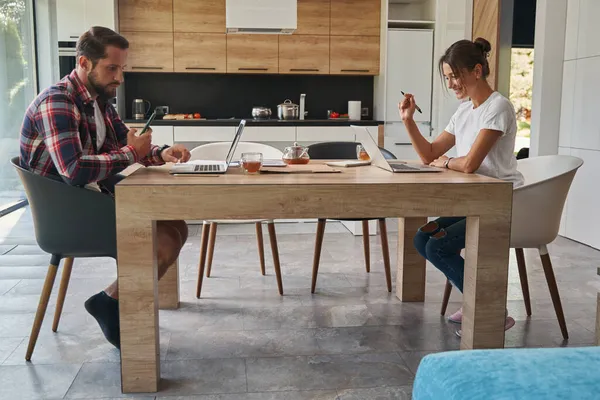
58, 137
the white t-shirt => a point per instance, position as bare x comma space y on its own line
496, 113
100, 126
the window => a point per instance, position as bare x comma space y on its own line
521, 88
17, 89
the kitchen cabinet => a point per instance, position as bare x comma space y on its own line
203, 133
317, 134
313, 17
150, 51
199, 16
355, 17
146, 16
354, 55
586, 131
161, 134
252, 54
200, 52
299, 54
263, 134
70, 19
413, 77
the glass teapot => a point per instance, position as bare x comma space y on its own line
296, 154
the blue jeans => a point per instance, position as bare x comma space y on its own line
442, 247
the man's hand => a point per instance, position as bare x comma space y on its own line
439, 162
176, 153
141, 144
407, 107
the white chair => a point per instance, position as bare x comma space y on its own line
218, 151
536, 215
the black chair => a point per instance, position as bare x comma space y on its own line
347, 151
69, 222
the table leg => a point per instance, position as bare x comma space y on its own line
138, 302
485, 281
410, 280
168, 288
598, 322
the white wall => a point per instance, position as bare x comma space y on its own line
579, 133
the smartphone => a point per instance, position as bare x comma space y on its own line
148, 123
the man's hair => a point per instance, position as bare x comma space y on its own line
92, 44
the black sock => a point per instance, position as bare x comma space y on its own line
105, 310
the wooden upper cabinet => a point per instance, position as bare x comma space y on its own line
149, 51
354, 55
202, 16
200, 52
313, 17
252, 54
146, 15
355, 17
301, 54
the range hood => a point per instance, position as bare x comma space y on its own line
261, 16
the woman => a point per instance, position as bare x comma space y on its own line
483, 130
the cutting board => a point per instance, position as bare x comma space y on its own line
301, 169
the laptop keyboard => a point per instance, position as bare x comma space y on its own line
208, 168
403, 167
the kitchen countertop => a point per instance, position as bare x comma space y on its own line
252, 122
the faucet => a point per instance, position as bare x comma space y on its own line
302, 105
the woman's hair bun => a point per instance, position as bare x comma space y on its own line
484, 45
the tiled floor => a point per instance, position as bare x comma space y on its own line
242, 341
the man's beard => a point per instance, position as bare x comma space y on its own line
104, 93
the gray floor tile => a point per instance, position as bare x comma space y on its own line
203, 377
36, 382
8, 346
23, 272
326, 372
5, 248
379, 393
193, 317
7, 285
9, 260
234, 344
413, 358
26, 249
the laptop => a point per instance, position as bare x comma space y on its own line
364, 137
211, 167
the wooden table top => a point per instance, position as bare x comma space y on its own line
357, 175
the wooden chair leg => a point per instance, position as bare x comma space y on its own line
365, 229
317, 256
447, 291
261, 247
551, 279
523, 277
62, 291
202, 262
386, 253
211, 247
275, 251
41, 310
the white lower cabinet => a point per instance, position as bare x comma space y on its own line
317, 134
161, 134
269, 134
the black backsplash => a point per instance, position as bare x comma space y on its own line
225, 96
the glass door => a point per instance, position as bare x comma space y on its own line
17, 90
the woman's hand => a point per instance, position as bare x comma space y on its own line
439, 162
407, 107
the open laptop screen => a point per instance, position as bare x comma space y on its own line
236, 140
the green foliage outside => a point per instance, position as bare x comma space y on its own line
521, 88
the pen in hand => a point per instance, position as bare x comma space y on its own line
416, 106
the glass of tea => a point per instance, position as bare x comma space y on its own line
251, 162
361, 153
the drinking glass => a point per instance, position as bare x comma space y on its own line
251, 162
361, 153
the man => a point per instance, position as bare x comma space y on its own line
71, 132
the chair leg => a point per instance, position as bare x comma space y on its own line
261, 247
523, 277
317, 256
365, 229
202, 262
41, 310
211, 247
386, 253
275, 251
447, 291
62, 291
551, 279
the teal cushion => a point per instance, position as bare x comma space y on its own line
560, 373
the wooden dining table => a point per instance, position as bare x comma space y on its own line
152, 194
